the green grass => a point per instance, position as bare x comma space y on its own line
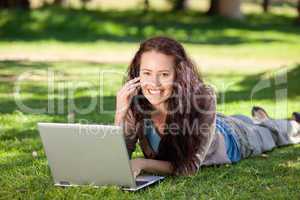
23, 176
270, 38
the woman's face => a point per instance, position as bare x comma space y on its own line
157, 76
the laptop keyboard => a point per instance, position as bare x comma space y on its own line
138, 183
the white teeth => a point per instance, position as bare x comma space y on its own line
154, 91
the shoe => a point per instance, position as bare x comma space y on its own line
259, 113
296, 116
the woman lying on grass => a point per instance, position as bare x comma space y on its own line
167, 107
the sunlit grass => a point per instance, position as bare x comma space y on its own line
88, 32
254, 177
82, 39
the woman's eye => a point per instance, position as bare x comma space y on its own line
165, 74
146, 73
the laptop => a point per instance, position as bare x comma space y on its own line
95, 155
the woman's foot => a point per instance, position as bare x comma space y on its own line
296, 116
259, 113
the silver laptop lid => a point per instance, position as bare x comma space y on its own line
86, 154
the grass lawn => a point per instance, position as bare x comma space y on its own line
24, 176
258, 42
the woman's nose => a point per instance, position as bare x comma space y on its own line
155, 80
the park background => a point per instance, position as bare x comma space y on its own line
249, 51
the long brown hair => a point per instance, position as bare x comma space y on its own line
192, 101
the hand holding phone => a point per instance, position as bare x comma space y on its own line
125, 95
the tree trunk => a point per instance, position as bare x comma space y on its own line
179, 5
226, 8
59, 2
213, 8
266, 5
146, 5
230, 9
24, 4
84, 3
298, 8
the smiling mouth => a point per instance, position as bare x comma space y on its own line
154, 91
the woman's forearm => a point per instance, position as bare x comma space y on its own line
157, 166
119, 118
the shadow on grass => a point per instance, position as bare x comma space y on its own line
260, 86
251, 87
17, 64
69, 25
107, 103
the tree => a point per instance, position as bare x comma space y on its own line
298, 8
178, 5
60, 2
230, 9
226, 8
213, 8
24, 4
84, 3
266, 5
146, 5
